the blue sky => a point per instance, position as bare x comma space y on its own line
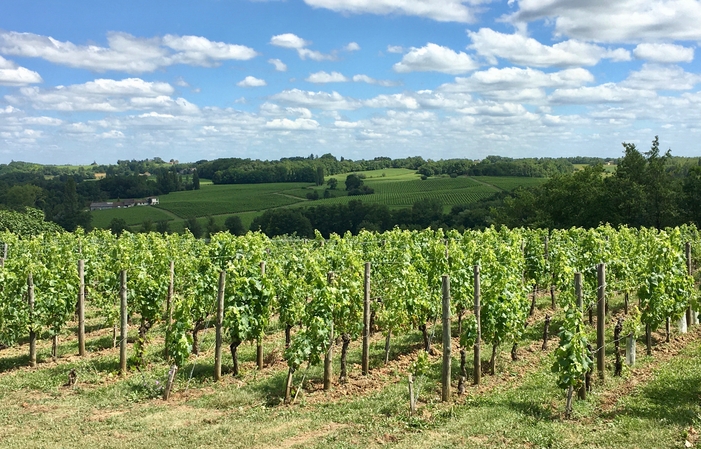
84, 81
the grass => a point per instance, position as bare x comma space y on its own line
654, 405
395, 188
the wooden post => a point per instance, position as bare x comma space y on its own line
169, 306
81, 308
328, 366
4, 255
478, 359
601, 320
553, 304
412, 398
259, 343
690, 313
288, 386
366, 322
582, 393
169, 384
218, 325
32, 334
124, 324
445, 394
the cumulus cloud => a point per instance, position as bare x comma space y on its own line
323, 77
300, 124
617, 21
316, 100
515, 79
435, 58
527, 51
352, 46
368, 80
279, 65
664, 53
395, 49
658, 77
105, 95
604, 93
13, 75
251, 81
292, 41
439, 10
125, 53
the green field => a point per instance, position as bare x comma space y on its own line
395, 188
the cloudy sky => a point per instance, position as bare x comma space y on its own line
84, 81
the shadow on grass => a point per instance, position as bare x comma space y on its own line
673, 401
12, 363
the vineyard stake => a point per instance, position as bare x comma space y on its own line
169, 305
478, 359
169, 384
32, 334
601, 319
366, 322
690, 314
582, 393
259, 343
218, 325
124, 324
81, 308
328, 367
412, 400
445, 393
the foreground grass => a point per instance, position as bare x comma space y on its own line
654, 405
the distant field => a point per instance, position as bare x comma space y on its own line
607, 168
510, 182
228, 199
132, 215
395, 188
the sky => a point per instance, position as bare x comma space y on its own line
84, 81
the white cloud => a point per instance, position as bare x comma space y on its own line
352, 46
289, 40
125, 53
655, 77
664, 53
396, 101
316, 100
105, 95
617, 21
300, 124
323, 77
197, 50
395, 49
439, 10
368, 80
604, 93
434, 58
251, 81
113, 134
13, 75
527, 51
279, 65
514, 78
346, 124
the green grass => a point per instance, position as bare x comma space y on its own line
132, 215
395, 188
519, 407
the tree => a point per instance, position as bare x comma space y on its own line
234, 226
194, 227
118, 225
212, 226
333, 183
195, 180
353, 181
147, 226
320, 175
163, 226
